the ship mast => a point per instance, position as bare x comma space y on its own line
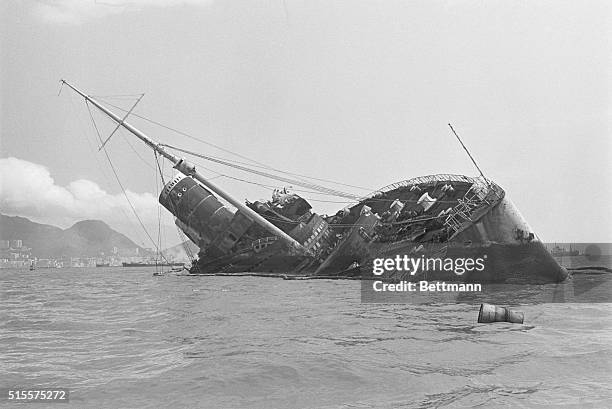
189, 169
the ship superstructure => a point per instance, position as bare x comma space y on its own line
442, 216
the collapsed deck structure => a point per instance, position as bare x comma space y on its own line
437, 216
440, 216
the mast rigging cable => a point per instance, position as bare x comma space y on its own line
121, 184
312, 186
259, 164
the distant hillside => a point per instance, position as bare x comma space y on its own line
87, 238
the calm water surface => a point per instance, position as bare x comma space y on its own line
122, 338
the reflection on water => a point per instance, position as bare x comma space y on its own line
119, 338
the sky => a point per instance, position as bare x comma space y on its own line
358, 92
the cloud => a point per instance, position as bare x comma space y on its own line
27, 189
78, 11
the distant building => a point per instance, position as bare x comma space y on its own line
16, 244
128, 252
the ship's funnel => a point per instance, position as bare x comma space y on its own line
197, 208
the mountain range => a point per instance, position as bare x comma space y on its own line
87, 238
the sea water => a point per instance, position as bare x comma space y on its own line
118, 337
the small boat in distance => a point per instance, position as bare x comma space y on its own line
154, 264
559, 251
102, 264
172, 270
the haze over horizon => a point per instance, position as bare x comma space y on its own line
357, 92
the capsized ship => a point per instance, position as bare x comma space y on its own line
437, 216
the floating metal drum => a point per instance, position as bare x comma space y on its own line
492, 313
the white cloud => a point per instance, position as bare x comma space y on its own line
78, 11
27, 189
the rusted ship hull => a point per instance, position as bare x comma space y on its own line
506, 263
483, 222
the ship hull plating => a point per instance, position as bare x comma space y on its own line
505, 263
499, 235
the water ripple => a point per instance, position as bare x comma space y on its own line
127, 339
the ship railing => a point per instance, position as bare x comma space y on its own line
486, 189
483, 193
262, 243
442, 177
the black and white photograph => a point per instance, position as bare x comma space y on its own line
303, 204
